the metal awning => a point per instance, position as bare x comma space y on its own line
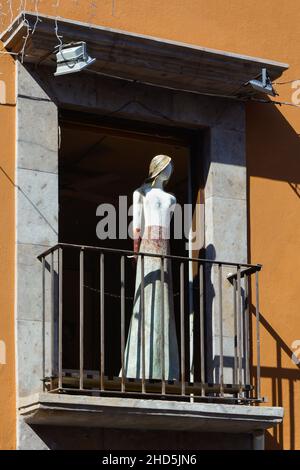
146, 59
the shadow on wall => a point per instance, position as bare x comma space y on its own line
272, 145
281, 377
273, 152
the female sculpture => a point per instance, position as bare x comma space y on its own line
152, 211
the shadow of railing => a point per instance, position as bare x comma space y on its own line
281, 378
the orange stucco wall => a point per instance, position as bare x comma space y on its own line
268, 29
7, 244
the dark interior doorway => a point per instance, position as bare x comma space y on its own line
101, 160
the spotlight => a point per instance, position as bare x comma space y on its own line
264, 85
72, 58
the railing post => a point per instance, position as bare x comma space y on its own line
202, 335
247, 338
235, 360
257, 336
162, 282
52, 326
81, 318
44, 320
239, 330
191, 323
102, 336
182, 339
122, 322
143, 323
60, 316
221, 330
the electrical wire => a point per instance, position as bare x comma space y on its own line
135, 101
287, 82
236, 98
1, 15
9, 3
2, 52
140, 82
58, 36
36, 9
26, 22
280, 103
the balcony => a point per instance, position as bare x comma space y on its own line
84, 343
199, 380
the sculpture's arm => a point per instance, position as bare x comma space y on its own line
137, 220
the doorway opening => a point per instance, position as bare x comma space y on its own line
99, 161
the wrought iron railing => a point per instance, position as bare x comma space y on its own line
87, 305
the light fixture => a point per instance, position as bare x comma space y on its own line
72, 58
264, 85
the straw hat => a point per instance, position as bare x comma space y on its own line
157, 165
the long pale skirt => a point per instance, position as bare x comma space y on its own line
153, 313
